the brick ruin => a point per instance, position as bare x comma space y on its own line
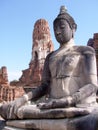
3, 75
93, 42
41, 46
8, 92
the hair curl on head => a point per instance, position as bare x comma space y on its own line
64, 15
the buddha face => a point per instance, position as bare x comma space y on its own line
62, 31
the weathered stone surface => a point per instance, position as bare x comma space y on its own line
93, 42
88, 122
3, 75
2, 124
42, 46
32, 112
6, 93
9, 93
13, 128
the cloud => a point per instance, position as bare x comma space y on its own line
14, 75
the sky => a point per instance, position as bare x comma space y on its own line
17, 19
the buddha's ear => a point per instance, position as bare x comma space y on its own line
73, 32
74, 28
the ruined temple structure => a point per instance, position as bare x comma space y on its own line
8, 92
3, 75
41, 47
93, 42
5, 92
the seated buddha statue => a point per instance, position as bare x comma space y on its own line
69, 79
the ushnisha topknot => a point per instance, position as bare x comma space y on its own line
64, 15
63, 9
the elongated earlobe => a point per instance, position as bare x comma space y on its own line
73, 32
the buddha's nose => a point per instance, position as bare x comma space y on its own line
58, 32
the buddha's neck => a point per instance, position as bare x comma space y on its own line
68, 44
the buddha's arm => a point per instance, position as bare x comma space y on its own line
83, 93
90, 77
44, 87
72, 100
38, 92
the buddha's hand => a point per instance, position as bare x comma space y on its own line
17, 103
57, 103
48, 105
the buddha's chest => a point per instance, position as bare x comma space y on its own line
64, 65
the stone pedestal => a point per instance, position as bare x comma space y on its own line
88, 122
2, 124
12, 128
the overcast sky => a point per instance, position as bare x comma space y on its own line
17, 19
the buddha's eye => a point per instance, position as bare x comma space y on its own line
62, 26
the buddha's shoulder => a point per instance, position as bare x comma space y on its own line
83, 49
49, 55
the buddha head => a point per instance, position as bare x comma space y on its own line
64, 26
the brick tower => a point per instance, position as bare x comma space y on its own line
3, 76
41, 47
93, 42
